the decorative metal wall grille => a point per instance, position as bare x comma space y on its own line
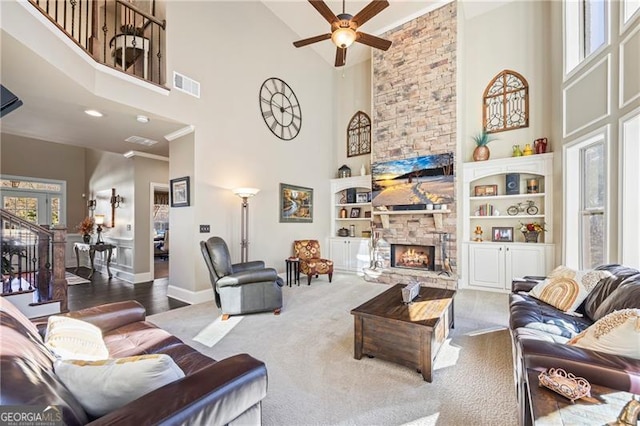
359, 135
506, 103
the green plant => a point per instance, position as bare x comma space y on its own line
483, 138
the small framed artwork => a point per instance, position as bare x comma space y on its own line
296, 204
362, 197
485, 190
367, 214
355, 212
179, 190
502, 234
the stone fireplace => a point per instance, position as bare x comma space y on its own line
412, 256
414, 114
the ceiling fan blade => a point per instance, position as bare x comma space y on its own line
369, 11
324, 10
341, 56
311, 40
373, 41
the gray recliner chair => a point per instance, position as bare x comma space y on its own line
241, 288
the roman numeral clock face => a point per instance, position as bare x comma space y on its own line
280, 109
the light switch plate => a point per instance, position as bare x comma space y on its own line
128, 227
205, 228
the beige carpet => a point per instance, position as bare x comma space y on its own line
314, 379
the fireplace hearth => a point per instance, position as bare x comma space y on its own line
413, 257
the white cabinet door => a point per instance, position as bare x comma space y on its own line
339, 253
524, 259
486, 265
359, 256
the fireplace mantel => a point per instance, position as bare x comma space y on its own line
437, 216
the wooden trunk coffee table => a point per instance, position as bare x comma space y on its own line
409, 335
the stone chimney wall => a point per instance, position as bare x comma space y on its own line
414, 114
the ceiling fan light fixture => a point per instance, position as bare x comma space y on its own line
343, 37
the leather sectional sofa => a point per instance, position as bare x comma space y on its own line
540, 333
212, 392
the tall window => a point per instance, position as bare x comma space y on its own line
586, 202
37, 201
586, 26
630, 183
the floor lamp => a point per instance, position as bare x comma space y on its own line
245, 194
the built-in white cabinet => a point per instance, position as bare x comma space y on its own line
492, 266
350, 254
494, 250
350, 223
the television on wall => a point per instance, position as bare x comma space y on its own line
413, 183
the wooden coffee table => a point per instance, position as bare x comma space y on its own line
409, 335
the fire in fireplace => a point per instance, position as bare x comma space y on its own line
413, 256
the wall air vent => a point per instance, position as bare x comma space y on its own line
141, 141
186, 84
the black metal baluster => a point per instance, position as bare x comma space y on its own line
86, 27
104, 32
115, 35
64, 19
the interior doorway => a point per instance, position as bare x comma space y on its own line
159, 207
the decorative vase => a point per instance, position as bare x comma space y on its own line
531, 236
481, 153
86, 238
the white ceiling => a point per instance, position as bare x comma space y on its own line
54, 104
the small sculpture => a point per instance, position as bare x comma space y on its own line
527, 150
516, 151
630, 414
478, 233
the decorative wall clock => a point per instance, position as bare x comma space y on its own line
280, 108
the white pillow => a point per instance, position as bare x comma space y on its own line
70, 338
104, 386
617, 333
566, 288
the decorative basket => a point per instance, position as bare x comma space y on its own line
531, 236
566, 384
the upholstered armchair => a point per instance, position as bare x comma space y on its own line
311, 262
240, 288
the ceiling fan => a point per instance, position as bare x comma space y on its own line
344, 28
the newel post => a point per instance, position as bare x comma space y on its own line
59, 280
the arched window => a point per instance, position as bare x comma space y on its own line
506, 103
359, 135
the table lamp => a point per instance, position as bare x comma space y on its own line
99, 219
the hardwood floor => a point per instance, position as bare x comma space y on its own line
153, 295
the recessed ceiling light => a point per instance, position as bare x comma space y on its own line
142, 119
140, 140
93, 112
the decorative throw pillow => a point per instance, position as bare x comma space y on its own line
70, 338
617, 333
566, 288
104, 386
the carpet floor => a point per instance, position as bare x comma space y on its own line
314, 379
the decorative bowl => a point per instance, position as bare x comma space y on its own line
566, 384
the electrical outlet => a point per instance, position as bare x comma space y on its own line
129, 227
205, 228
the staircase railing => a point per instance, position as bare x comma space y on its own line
33, 259
115, 33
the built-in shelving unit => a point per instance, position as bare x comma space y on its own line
491, 265
350, 253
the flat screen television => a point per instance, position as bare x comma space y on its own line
9, 101
413, 183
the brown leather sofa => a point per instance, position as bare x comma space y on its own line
212, 392
540, 332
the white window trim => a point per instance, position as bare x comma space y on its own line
570, 28
572, 235
628, 225
62, 193
624, 26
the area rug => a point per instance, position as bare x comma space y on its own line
214, 332
315, 380
73, 279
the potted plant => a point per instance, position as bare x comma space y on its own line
482, 139
86, 228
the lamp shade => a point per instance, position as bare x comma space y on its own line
99, 219
343, 37
245, 192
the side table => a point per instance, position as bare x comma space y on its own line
92, 249
293, 270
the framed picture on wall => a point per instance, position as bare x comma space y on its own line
179, 190
296, 203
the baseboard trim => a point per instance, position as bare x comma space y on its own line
188, 296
